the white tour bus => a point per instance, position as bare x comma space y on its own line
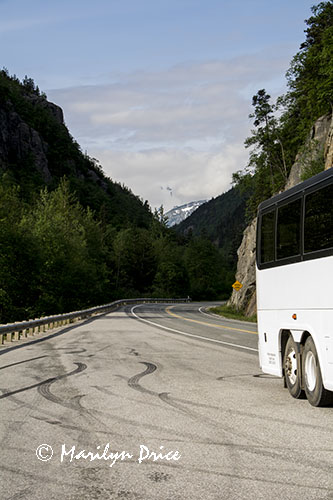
295, 288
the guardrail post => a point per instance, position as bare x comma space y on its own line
9, 337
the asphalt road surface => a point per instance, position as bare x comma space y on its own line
155, 402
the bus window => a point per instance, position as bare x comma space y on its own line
318, 221
267, 237
289, 229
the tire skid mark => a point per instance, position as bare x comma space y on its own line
164, 396
23, 404
228, 431
74, 403
21, 362
239, 375
80, 368
133, 382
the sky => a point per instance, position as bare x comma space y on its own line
158, 91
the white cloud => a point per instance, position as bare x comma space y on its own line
183, 127
191, 175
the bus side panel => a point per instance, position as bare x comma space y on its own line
300, 286
268, 325
269, 348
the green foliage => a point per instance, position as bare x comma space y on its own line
70, 250
171, 276
310, 77
204, 268
56, 256
268, 152
135, 261
280, 129
51, 254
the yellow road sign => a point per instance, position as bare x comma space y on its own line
237, 286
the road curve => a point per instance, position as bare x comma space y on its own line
204, 326
155, 401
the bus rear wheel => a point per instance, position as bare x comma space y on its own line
292, 372
315, 392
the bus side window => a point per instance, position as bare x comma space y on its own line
289, 230
267, 240
318, 221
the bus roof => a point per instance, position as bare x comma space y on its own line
316, 179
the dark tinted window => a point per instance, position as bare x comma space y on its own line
267, 237
289, 230
318, 222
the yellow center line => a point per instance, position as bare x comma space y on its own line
207, 324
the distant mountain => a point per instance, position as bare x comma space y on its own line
180, 213
222, 220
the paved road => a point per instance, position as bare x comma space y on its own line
158, 381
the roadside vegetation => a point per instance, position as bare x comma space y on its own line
57, 256
232, 313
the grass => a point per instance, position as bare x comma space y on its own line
233, 313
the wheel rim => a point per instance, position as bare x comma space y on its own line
310, 371
291, 366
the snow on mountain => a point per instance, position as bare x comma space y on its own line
178, 214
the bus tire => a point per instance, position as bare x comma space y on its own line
315, 392
292, 372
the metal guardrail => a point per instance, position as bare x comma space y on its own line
23, 329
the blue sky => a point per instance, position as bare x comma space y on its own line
159, 91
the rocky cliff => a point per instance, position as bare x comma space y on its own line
20, 142
318, 148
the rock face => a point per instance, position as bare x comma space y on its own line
245, 298
328, 149
21, 143
24, 148
320, 142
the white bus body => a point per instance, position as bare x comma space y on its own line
295, 288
